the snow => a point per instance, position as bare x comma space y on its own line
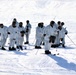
34, 61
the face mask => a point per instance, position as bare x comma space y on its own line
20, 25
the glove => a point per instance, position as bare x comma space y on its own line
58, 32
61, 39
14, 39
8, 32
44, 34
66, 33
59, 27
52, 39
22, 33
0, 34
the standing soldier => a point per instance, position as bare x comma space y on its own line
27, 31
13, 33
21, 36
6, 34
43, 29
57, 42
2, 36
39, 35
50, 35
62, 33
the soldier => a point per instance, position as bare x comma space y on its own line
6, 34
21, 36
62, 33
43, 29
39, 35
13, 34
57, 42
27, 31
3, 36
50, 35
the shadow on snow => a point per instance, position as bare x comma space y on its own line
19, 53
64, 63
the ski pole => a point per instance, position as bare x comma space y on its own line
33, 42
71, 40
54, 18
36, 51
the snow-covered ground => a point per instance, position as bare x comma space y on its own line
33, 61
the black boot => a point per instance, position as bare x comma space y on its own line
47, 52
17, 47
37, 47
55, 45
26, 42
13, 49
43, 43
20, 47
63, 45
10, 49
3, 48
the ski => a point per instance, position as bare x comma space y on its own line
53, 54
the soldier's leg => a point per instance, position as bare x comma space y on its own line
47, 47
27, 39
